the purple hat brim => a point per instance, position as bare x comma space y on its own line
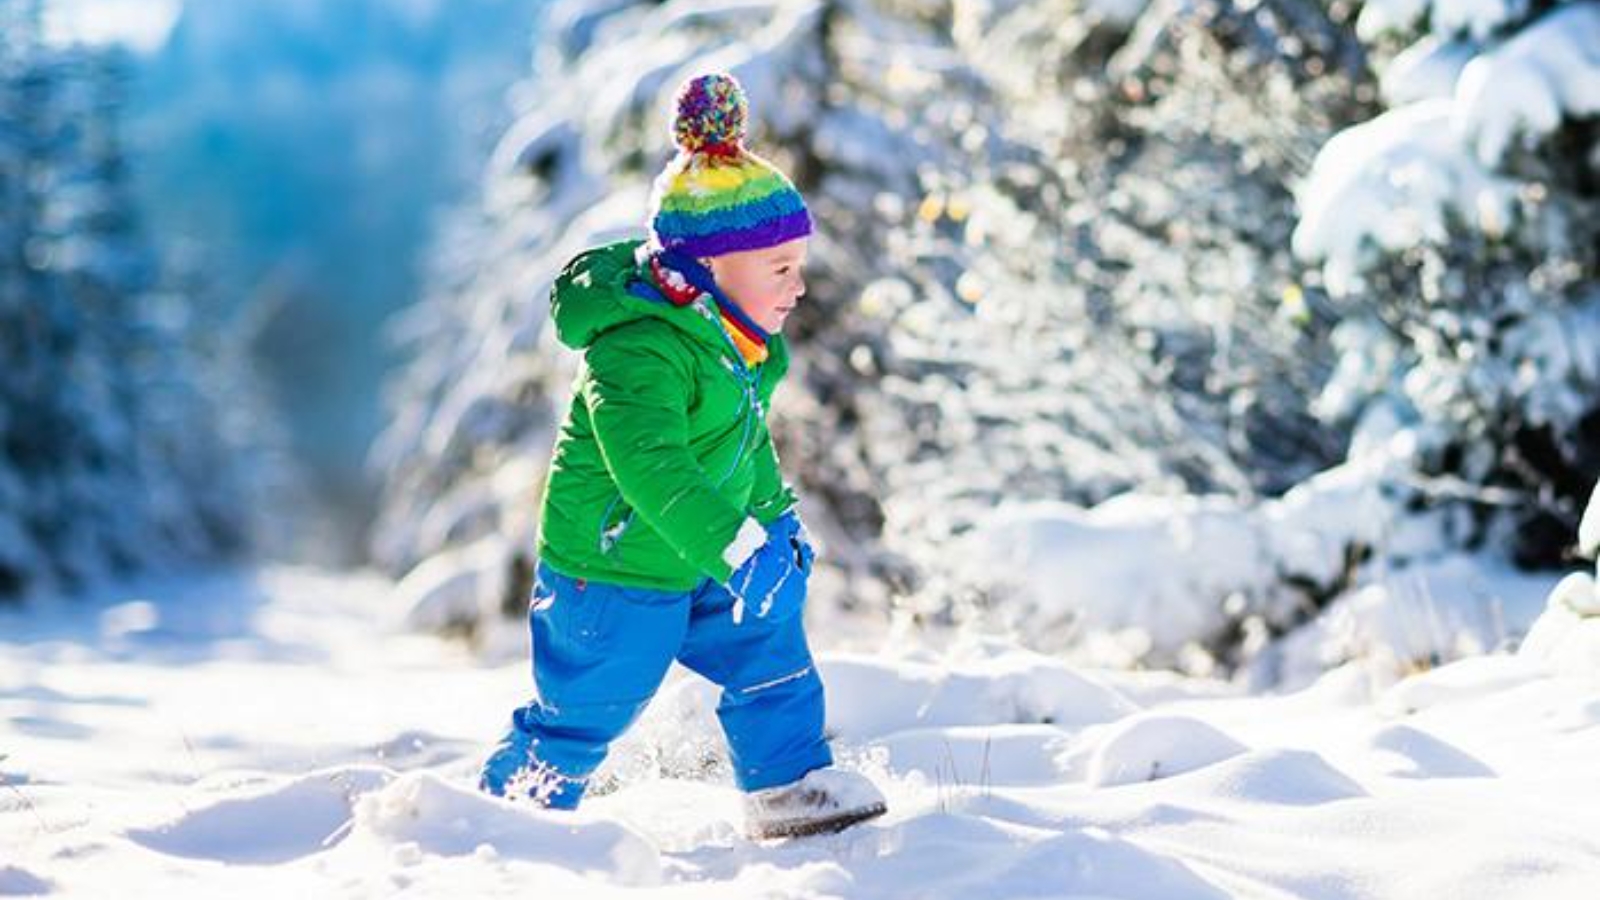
769, 233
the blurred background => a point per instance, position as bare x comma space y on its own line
279, 168
1225, 335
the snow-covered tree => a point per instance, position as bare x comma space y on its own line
1056, 263
1456, 234
986, 321
110, 453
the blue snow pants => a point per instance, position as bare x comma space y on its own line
600, 651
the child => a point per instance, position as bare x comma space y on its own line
667, 530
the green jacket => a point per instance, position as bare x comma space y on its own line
665, 450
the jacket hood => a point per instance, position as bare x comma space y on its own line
591, 294
607, 286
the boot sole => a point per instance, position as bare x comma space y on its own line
807, 827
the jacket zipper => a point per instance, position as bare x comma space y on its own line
610, 536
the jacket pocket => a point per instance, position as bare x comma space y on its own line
614, 522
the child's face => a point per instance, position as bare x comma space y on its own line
767, 284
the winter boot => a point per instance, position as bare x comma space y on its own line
825, 800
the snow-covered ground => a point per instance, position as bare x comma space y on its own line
280, 733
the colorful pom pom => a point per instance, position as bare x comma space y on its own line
711, 114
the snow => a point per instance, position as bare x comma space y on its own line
1427, 70
1557, 352
1567, 637
1589, 528
1446, 18
316, 808
1442, 609
1122, 13
1016, 687
257, 733
1459, 103
1388, 184
426, 814
142, 25
1148, 747
1144, 577
1478, 18
1388, 15
450, 588
1548, 72
1434, 727
1131, 565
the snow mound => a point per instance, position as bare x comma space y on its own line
1150, 747
676, 815
304, 816
1420, 615
1009, 755
962, 855
1141, 577
1577, 594
989, 808
959, 852
415, 748
871, 696
1131, 562
424, 811
1099, 864
1407, 752
1285, 777
18, 882
1566, 638
1462, 681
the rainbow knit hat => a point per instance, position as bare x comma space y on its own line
715, 196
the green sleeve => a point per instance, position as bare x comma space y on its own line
637, 394
771, 497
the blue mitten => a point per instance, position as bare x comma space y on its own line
788, 528
772, 582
